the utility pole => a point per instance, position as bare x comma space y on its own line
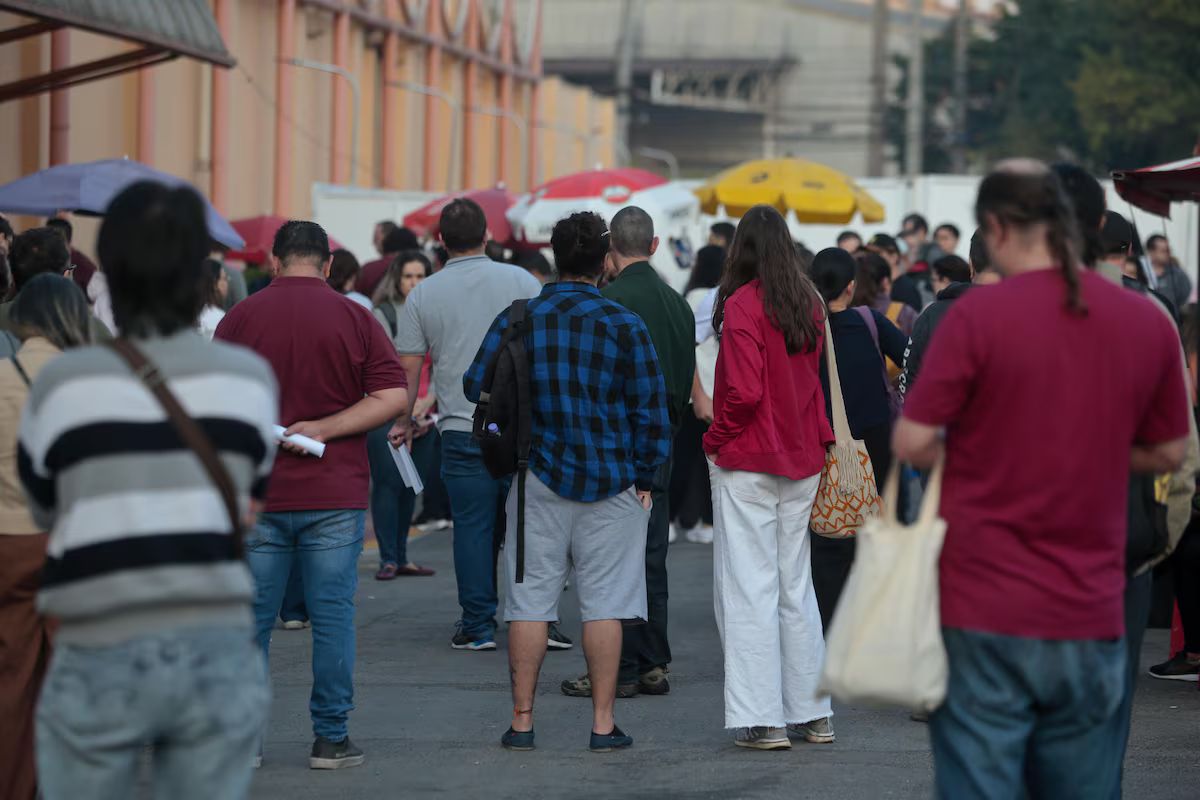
962, 33
879, 27
916, 93
626, 40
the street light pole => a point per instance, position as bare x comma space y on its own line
334, 69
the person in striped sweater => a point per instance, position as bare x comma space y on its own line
144, 567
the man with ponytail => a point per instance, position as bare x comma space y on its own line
1043, 422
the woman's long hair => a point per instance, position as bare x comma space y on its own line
389, 286
762, 248
1024, 196
54, 308
345, 266
707, 269
869, 278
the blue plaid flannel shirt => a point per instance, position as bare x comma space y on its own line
600, 420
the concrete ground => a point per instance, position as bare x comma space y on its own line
430, 718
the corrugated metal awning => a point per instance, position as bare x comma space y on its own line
161, 29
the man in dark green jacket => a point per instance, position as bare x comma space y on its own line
645, 652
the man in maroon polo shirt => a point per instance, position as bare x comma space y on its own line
339, 377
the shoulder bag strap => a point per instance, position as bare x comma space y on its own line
841, 423
20, 369
187, 428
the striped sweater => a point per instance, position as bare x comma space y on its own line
139, 536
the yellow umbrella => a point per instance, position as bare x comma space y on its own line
817, 193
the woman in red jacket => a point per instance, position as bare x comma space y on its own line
767, 447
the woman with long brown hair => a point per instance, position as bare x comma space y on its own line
767, 447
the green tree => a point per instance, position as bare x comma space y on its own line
1109, 83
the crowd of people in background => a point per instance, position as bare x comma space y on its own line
152, 536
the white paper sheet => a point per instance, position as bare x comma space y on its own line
310, 446
407, 469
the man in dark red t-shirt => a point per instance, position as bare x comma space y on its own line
339, 377
1050, 388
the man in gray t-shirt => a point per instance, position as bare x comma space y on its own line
448, 315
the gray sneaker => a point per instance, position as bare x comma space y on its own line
818, 731
335, 755
762, 738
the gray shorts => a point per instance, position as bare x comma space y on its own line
604, 541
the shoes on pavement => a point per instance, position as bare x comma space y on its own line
387, 572
818, 731
701, 534
607, 742
415, 571
327, 754
762, 738
472, 641
296, 624
654, 682
557, 640
429, 526
582, 687
672, 534
1179, 668
517, 740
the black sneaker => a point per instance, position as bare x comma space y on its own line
557, 640
467, 641
616, 739
1179, 668
335, 755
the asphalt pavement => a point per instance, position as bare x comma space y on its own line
430, 718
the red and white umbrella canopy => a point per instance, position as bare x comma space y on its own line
1155, 188
426, 220
605, 192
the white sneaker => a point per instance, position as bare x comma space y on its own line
762, 738
296, 625
434, 525
672, 534
701, 534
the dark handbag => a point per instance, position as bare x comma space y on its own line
189, 431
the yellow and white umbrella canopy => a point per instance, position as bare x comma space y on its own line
816, 193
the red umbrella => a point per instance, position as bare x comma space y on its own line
1155, 188
494, 202
259, 233
608, 184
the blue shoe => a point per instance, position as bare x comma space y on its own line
607, 742
467, 641
517, 740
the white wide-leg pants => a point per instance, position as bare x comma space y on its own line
766, 608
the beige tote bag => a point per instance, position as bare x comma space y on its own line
884, 645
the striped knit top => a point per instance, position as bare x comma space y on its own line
140, 540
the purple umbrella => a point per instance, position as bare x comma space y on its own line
89, 188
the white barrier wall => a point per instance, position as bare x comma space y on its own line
349, 214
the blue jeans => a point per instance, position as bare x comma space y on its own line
293, 609
477, 502
392, 502
1139, 594
1030, 712
328, 544
200, 695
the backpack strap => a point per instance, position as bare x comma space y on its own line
389, 312
20, 369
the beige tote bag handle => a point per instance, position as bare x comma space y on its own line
841, 422
930, 503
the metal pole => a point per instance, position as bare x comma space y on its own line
879, 26
624, 73
456, 113
962, 31
916, 94
665, 156
518, 122
334, 69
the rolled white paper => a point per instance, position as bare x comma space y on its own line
310, 446
407, 469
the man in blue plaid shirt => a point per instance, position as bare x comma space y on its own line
600, 431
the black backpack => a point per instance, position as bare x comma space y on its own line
503, 423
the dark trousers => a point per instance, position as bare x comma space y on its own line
1185, 571
645, 647
691, 495
1138, 593
832, 558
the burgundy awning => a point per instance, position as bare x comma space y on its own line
1153, 189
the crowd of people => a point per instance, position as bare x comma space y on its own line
156, 525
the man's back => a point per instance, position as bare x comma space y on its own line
448, 315
1042, 407
327, 352
671, 323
